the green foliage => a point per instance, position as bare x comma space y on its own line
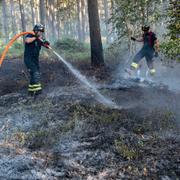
72, 49
171, 47
174, 23
129, 16
70, 44
15, 51
18, 45
98, 113
66, 10
126, 150
115, 50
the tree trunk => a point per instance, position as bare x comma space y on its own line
5, 21
58, 20
47, 20
83, 15
32, 12
79, 20
142, 8
97, 58
112, 6
36, 8
59, 27
52, 20
21, 7
12, 13
106, 15
71, 34
42, 12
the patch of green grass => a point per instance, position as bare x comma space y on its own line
39, 138
98, 113
171, 48
72, 50
15, 51
68, 126
159, 120
70, 45
74, 56
126, 150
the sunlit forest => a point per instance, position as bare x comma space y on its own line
119, 20
89, 89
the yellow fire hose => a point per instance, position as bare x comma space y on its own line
10, 43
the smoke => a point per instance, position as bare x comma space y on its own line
162, 92
167, 74
102, 99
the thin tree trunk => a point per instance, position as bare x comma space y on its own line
21, 7
36, 5
55, 18
5, 20
147, 11
59, 27
12, 13
66, 29
97, 58
112, 6
79, 20
83, 15
52, 20
47, 20
143, 13
42, 12
58, 20
106, 15
32, 12
71, 28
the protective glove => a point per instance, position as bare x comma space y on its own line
46, 43
133, 39
156, 54
46, 46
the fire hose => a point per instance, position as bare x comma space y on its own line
10, 44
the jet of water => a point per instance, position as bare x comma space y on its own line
102, 99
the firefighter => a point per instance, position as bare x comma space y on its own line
149, 50
33, 45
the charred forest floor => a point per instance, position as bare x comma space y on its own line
64, 133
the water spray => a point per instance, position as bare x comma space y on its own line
102, 99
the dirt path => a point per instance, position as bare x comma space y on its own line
66, 134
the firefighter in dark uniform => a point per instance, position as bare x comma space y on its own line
149, 50
33, 45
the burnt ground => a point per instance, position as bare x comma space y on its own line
64, 133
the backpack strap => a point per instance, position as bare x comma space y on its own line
151, 38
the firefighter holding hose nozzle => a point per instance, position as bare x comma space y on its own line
33, 45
